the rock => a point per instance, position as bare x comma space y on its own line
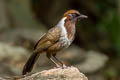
94, 61
2, 78
74, 55
12, 59
70, 73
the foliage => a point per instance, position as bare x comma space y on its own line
110, 22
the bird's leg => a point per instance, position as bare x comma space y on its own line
49, 57
63, 65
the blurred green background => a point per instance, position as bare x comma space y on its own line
97, 39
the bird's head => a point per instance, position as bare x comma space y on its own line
74, 15
67, 23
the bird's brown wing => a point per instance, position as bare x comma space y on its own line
49, 39
39, 41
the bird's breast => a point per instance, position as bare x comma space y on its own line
65, 42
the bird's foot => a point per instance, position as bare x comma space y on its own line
57, 66
63, 66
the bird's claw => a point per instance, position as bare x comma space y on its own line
62, 67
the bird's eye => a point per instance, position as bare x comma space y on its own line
75, 15
72, 16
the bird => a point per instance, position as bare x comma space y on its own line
55, 40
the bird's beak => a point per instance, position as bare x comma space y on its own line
82, 16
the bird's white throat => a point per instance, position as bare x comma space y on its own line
61, 25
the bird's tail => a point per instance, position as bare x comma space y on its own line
30, 63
